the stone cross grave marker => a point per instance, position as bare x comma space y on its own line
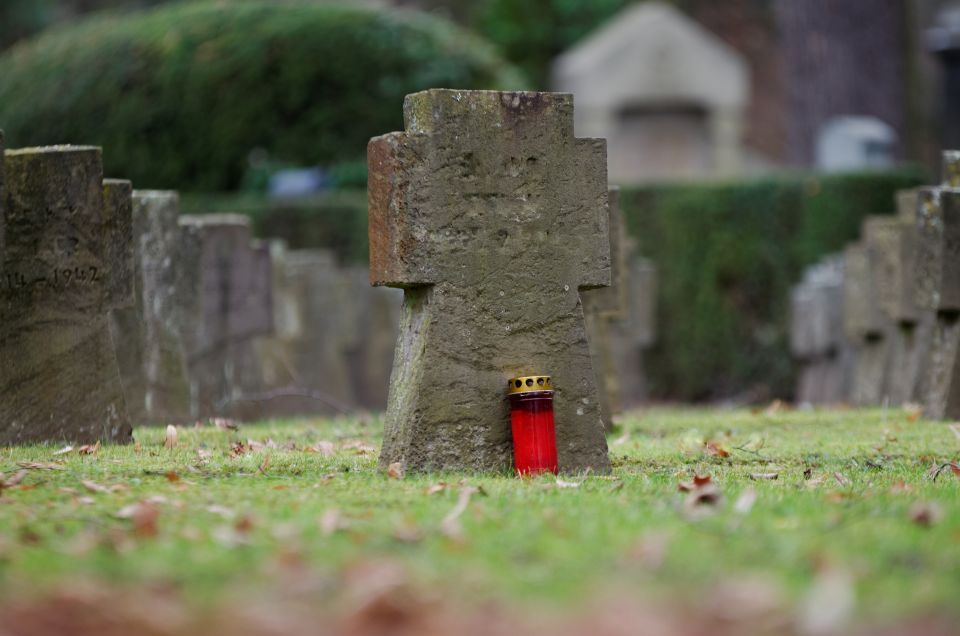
636, 332
148, 335
226, 296
938, 288
891, 245
865, 326
817, 334
493, 217
64, 265
602, 308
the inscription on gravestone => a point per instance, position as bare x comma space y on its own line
492, 217
65, 265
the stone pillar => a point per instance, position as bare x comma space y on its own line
636, 332
64, 265
865, 327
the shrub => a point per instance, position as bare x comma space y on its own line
179, 96
727, 255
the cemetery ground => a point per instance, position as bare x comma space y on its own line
725, 521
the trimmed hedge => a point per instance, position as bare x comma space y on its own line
179, 96
727, 256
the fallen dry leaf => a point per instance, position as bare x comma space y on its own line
707, 495
89, 449
395, 470
93, 486
265, 464
714, 449
450, 526
757, 476
238, 449
172, 476
14, 480
841, 479
204, 455
925, 514
63, 451
39, 466
745, 501
324, 448
225, 424
698, 482
435, 488
144, 515
170, 441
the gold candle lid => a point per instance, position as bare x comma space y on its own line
529, 384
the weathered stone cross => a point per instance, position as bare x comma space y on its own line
492, 217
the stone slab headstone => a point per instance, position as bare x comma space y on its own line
147, 335
602, 308
636, 332
865, 327
938, 288
817, 339
64, 265
492, 217
226, 296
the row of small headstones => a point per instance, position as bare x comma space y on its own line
877, 324
115, 309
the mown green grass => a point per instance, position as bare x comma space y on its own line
231, 523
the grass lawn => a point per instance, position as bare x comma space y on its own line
829, 516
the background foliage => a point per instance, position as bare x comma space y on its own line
180, 96
727, 255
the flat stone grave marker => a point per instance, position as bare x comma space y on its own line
865, 327
602, 308
492, 217
226, 296
64, 265
148, 335
938, 288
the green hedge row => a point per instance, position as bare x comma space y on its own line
727, 255
182, 96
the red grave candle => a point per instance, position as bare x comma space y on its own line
531, 416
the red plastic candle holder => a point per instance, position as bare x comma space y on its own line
531, 417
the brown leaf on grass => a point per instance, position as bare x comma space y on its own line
925, 514
39, 466
225, 424
435, 488
324, 448
136, 447
93, 486
63, 451
332, 521
842, 479
244, 525
395, 470
699, 481
172, 476
450, 526
758, 476
707, 495
14, 480
89, 449
715, 449
265, 464
144, 515
170, 440
900, 487
238, 449
745, 501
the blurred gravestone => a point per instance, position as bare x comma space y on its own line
865, 326
817, 338
492, 217
891, 244
602, 308
938, 288
636, 332
65, 255
148, 335
226, 296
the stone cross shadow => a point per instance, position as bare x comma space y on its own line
492, 217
